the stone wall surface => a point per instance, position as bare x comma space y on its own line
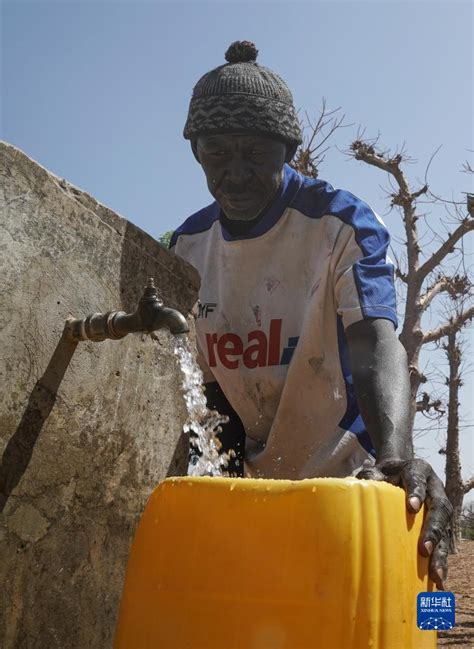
88, 429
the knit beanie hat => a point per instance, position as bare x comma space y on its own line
242, 95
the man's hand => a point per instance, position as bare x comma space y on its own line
421, 485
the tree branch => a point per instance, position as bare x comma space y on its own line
453, 324
422, 190
404, 198
470, 204
310, 153
437, 257
425, 405
456, 286
468, 485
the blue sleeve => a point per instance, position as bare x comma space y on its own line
364, 276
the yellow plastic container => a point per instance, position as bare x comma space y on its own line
222, 563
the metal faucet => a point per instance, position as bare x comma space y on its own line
149, 316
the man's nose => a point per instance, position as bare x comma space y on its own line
238, 171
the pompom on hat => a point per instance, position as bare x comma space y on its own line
242, 96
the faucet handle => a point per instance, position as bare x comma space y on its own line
150, 294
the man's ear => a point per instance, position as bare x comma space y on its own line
195, 151
290, 152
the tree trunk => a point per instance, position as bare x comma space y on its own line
411, 338
454, 483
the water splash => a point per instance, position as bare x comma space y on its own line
204, 423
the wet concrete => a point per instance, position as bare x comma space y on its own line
88, 429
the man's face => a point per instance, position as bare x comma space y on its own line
243, 172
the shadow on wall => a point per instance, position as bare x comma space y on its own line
179, 461
18, 452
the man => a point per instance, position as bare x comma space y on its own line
297, 318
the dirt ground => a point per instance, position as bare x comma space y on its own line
461, 583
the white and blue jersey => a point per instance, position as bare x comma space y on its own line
274, 306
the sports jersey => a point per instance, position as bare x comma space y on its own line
274, 304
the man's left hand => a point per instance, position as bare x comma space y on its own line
421, 485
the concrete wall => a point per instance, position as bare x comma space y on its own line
86, 430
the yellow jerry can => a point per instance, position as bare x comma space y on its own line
223, 563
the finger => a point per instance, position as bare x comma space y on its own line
438, 570
370, 473
438, 517
414, 478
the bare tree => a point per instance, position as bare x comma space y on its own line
316, 134
456, 488
425, 276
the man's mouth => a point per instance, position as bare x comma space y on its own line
237, 199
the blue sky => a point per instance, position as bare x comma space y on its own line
98, 92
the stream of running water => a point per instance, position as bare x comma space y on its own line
204, 423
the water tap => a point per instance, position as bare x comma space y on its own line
149, 316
